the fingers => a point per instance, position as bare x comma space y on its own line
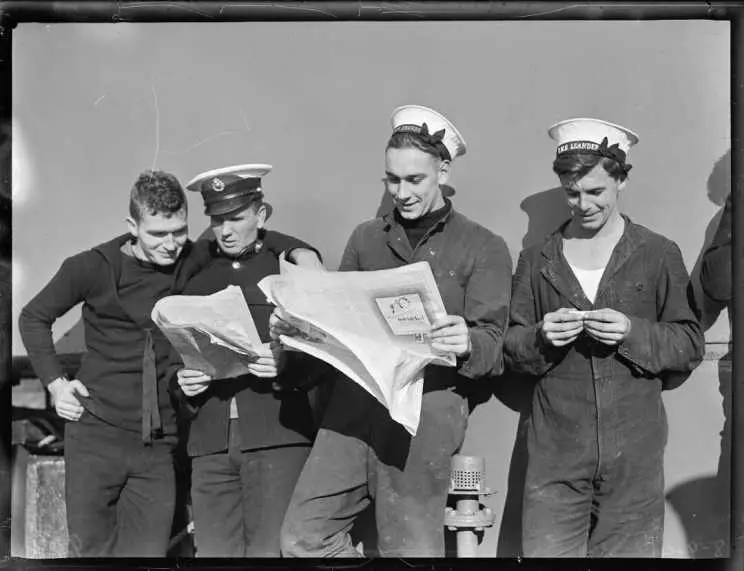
69, 410
612, 338
193, 390
564, 315
561, 338
76, 386
190, 374
189, 380
278, 325
603, 315
193, 382
450, 334
262, 370
560, 332
448, 326
562, 326
605, 326
608, 333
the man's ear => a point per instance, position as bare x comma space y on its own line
132, 225
261, 214
444, 172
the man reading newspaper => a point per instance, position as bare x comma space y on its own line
250, 433
373, 326
360, 454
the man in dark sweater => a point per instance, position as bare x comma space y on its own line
119, 443
250, 435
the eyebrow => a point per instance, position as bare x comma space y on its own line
183, 228
413, 175
593, 189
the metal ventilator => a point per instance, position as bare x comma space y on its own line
468, 483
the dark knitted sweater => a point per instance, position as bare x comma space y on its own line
117, 294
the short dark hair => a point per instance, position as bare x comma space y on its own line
409, 139
156, 192
577, 166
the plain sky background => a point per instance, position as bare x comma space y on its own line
95, 104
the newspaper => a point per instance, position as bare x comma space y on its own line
212, 333
372, 326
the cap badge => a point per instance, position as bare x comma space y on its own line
218, 185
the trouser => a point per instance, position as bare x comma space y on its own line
239, 498
578, 507
120, 493
360, 455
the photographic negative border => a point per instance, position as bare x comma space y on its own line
14, 12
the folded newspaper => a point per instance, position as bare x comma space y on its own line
372, 326
212, 333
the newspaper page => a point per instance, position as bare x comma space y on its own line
372, 326
212, 333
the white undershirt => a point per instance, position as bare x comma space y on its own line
589, 280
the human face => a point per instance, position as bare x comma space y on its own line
159, 238
235, 231
412, 177
593, 199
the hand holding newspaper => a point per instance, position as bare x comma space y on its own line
372, 326
214, 333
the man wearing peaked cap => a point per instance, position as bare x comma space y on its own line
229, 189
361, 455
600, 317
249, 435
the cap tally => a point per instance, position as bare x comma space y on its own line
593, 136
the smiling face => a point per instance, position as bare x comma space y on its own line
235, 231
413, 179
159, 238
592, 199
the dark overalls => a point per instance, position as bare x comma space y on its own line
597, 429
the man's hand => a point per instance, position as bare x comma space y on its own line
607, 326
267, 363
280, 326
193, 382
63, 397
450, 334
562, 326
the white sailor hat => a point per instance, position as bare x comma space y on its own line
227, 189
432, 126
593, 136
